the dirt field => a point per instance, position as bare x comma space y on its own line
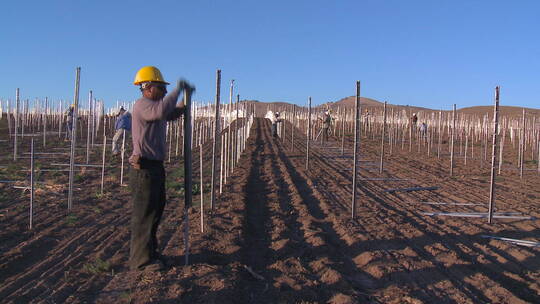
281, 234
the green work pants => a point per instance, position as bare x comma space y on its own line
147, 187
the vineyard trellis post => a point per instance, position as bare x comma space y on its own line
493, 155
452, 140
382, 139
356, 144
188, 182
308, 134
31, 183
73, 136
217, 136
15, 138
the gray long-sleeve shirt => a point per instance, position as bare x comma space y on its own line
149, 123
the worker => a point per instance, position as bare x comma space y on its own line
147, 175
123, 124
423, 131
414, 120
69, 122
275, 120
327, 121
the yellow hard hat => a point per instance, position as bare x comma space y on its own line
149, 73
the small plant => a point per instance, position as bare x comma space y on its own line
96, 210
97, 267
78, 178
71, 220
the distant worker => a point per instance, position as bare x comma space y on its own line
274, 118
327, 121
423, 130
414, 120
147, 176
69, 122
123, 124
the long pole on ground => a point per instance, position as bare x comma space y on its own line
308, 134
382, 139
216, 138
73, 136
493, 155
187, 171
356, 144
452, 140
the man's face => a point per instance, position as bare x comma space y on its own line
155, 91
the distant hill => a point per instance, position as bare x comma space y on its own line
374, 105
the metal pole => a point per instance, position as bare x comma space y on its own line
356, 144
31, 183
73, 135
382, 139
308, 133
15, 139
493, 155
452, 140
122, 155
202, 185
188, 181
88, 128
45, 124
292, 126
103, 162
522, 143
439, 131
215, 142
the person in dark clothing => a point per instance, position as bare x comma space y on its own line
147, 176
327, 121
275, 120
69, 122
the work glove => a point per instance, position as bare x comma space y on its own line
185, 86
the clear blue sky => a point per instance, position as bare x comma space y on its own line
424, 53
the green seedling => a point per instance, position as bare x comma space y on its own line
97, 267
71, 220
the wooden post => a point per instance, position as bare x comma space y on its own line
188, 181
382, 139
215, 141
308, 134
493, 155
73, 136
452, 140
356, 144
